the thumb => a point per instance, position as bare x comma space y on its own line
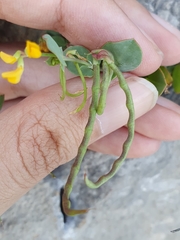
38, 134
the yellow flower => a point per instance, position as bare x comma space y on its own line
7, 58
32, 50
13, 76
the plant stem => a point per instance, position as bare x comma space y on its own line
63, 83
84, 89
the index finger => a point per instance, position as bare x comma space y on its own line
89, 23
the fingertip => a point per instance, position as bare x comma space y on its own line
115, 114
152, 56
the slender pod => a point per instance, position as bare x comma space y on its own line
106, 79
130, 125
83, 146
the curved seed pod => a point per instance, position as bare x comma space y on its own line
106, 79
83, 146
130, 125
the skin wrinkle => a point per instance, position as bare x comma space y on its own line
4, 199
4, 192
73, 134
37, 146
37, 133
55, 140
22, 140
31, 131
20, 153
12, 176
19, 171
11, 172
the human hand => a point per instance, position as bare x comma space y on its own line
38, 134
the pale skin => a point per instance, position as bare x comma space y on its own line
38, 134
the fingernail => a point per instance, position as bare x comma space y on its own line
166, 25
116, 114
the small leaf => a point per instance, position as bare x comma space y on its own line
54, 48
59, 39
158, 79
1, 100
81, 53
127, 54
176, 78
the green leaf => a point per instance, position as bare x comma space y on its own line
52, 33
127, 54
87, 72
158, 79
80, 53
1, 100
171, 68
59, 39
54, 48
167, 75
176, 78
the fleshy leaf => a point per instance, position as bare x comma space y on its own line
81, 53
158, 79
127, 54
1, 100
176, 78
54, 48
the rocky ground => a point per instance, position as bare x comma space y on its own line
140, 202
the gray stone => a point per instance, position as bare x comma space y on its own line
140, 202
